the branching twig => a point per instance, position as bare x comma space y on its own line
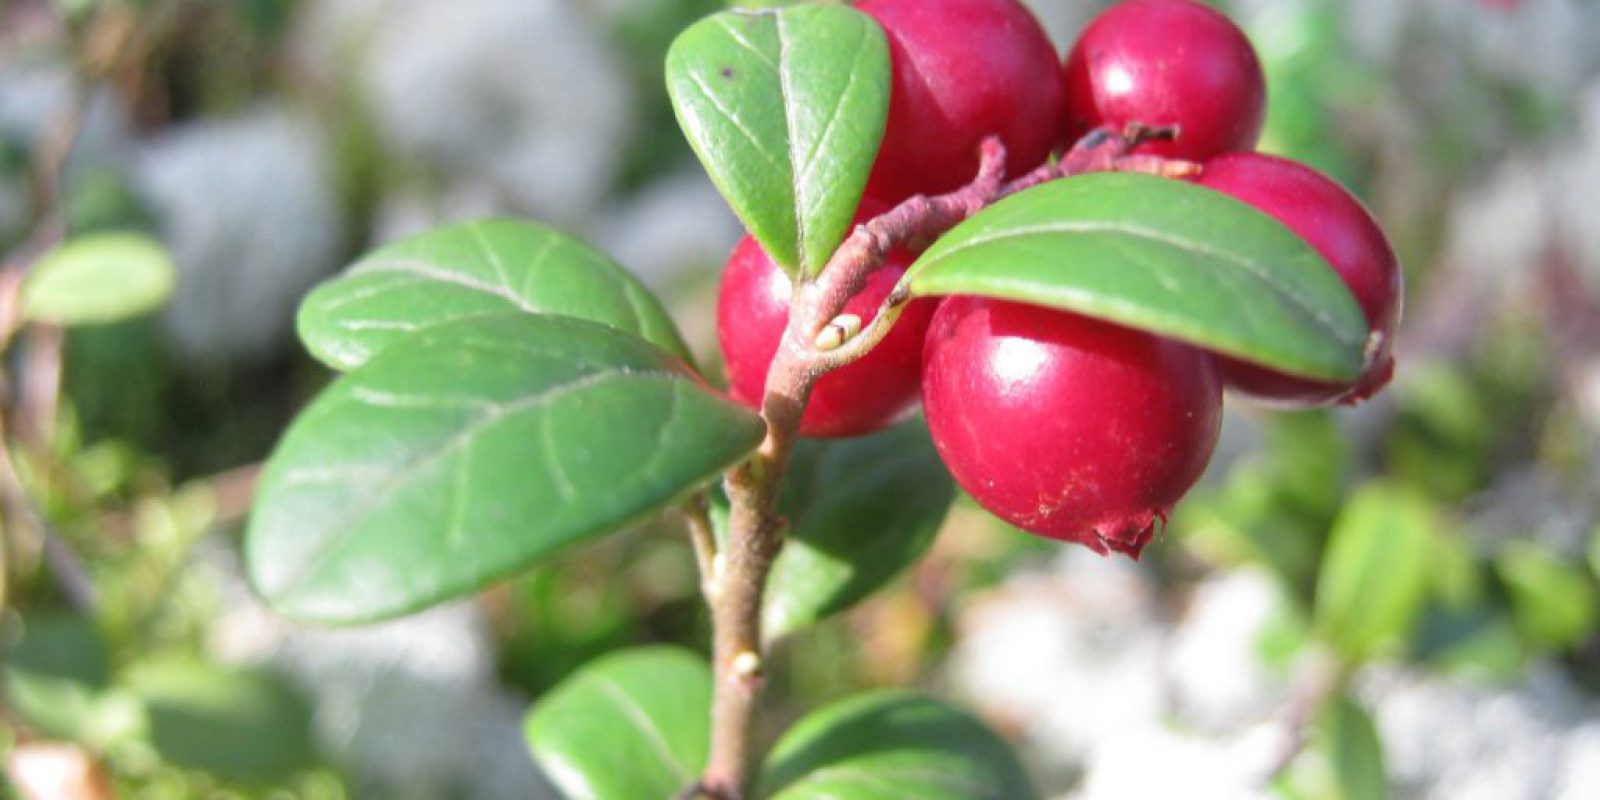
805, 354
109, 37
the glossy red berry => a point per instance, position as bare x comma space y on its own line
1168, 62
1335, 223
1066, 426
752, 313
963, 70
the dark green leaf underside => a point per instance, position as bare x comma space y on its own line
893, 745
785, 108
860, 511
1160, 255
439, 467
632, 724
475, 269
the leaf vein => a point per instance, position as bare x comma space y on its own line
1245, 265
399, 477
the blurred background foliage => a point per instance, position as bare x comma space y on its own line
1398, 599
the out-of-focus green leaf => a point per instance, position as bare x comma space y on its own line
631, 724
1443, 439
1488, 650
1308, 458
892, 745
1377, 570
1552, 602
860, 511
99, 278
475, 269
55, 674
1351, 742
785, 108
1159, 255
1594, 551
241, 724
1457, 579
1243, 522
439, 467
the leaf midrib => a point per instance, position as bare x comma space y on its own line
1302, 304
493, 413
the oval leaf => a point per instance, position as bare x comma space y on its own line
1163, 256
1350, 740
439, 467
889, 746
633, 724
1552, 602
1377, 571
474, 269
246, 725
785, 108
54, 676
860, 511
99, 279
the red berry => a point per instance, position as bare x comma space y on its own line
963, 70
1066, 426
1168, 62
1344, 232
753, 311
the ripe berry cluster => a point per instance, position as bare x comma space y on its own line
1065, 426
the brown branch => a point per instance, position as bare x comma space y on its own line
814, 344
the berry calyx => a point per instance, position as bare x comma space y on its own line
859, 398
1066, 426
1341, 229
963, 70
1167, 63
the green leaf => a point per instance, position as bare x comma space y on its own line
860, 511
1160, 255
437, 468
475, 269
1349, 739
242, 724
892, 745
1552, 602
1377, 570
55, 674
96, 279
632, 724
785, 108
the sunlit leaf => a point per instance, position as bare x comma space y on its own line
439, 467
1159, 255
785, 108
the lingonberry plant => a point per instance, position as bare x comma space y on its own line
866, 396
509, 392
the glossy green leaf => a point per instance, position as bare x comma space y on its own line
860, 511
1160, 255
96, 279
893, 745
1377, 571
439, 467
1552, 602
632, 724
1350, 741
785, 108
475, 269
242, 724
